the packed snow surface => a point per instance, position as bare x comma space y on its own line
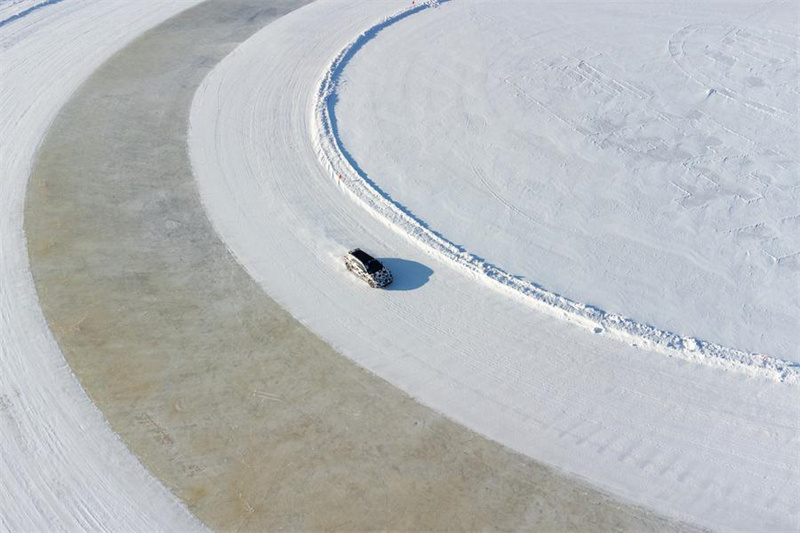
697, 442
61, 466
638, 157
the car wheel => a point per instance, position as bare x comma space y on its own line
372, 283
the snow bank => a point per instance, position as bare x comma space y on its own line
345, 171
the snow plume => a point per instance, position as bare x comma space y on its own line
341, 166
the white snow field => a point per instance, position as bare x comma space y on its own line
698, 442
637, 157
61, 466
342, 166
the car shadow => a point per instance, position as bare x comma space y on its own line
408, 275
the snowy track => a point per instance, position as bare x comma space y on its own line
61, 466
696, 442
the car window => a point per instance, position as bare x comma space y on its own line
374, 266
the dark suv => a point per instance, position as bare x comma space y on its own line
367, 268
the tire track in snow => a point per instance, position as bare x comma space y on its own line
677, 52
341, 166
28, 11
242, 411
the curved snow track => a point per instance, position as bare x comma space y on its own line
695, 441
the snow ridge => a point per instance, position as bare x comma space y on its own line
346, 172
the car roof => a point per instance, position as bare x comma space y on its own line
361, 255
